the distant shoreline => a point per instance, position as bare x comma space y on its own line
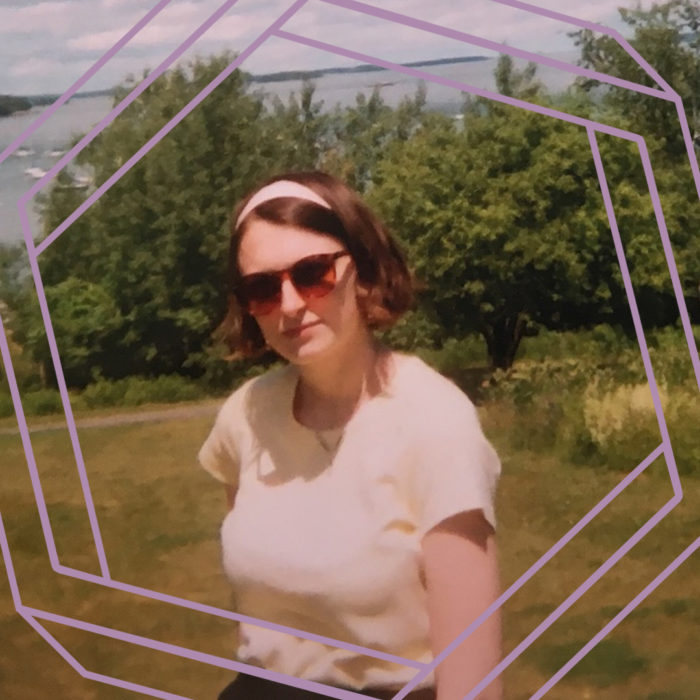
22, 103
282, 76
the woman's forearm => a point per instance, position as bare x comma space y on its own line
462, 581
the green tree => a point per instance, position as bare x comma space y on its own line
667, 36
86, 324
503, 220
9, 104
360, 134
156, 242
12, 263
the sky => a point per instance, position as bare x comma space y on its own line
46, 45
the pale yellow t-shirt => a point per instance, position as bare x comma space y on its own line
331, 544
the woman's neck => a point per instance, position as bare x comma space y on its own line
329, 392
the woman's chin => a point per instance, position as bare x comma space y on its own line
303, 351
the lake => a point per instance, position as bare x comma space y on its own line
46, 145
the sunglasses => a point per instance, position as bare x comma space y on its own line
312, 277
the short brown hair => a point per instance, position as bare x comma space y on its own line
381, 267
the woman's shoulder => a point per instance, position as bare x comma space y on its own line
416, 380
262, 389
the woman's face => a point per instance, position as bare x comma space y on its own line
303, 330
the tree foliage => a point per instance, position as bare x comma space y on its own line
151, 251
155, 242
501, 213
667, 37
502, 218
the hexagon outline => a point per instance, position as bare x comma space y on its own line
570, 120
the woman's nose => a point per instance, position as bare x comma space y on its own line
291, 301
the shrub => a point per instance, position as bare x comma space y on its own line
527, 381
7, 408
598, 421
594, 344
683, 419
553, 400
621, 422
596, 408
164, 389
221, 375
417, 329
104, 392
670, 356
133, 391
42, 402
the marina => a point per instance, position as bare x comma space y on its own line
40, 152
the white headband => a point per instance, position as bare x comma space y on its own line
280, 188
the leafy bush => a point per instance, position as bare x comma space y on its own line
104, 393
164, 389
670, 356
527, 381
683, 419
594, 344
416, 329
133, 391
596, 415
221, 375
621, 422
457, 353
7, 408
42, 402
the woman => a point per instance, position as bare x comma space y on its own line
359, 484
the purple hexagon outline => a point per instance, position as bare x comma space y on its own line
591, 128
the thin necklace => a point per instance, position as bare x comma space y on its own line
330, 439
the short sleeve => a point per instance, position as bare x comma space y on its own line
456, 468
219, 454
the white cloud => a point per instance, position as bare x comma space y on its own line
232, 28
486, 19
97, 41
31, 67
54, 18
73, 28
110, 4
173, 24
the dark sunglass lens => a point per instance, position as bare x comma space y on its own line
317, 272
260, 289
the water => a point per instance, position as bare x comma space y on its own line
39, 153
343, 87
19, 172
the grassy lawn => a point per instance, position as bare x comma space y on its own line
159, 517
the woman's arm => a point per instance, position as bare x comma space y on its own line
230, 495
461, 570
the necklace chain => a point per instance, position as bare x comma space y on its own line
329, 445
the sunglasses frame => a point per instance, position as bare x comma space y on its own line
288, 273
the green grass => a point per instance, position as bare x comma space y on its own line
159, 515
609, 663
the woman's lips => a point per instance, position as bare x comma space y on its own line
297, 330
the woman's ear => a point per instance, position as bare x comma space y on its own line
362, 295
369, 304
361, 291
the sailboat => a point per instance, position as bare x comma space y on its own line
36, 173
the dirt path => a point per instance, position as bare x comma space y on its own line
154, 416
